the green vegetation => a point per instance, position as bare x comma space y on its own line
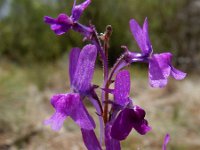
25, 38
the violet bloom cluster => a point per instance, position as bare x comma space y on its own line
118, 115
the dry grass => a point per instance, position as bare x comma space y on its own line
24, 104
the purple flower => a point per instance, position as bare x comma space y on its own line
63, 22
77, 10
160, 65
130, 116
141, 36
122, 88
160, 68
127, 119
70, 104
90, 140
82, 72
73, 60
166, 141
111, 144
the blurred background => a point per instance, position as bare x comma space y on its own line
34, 66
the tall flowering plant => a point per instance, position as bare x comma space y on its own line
117, 116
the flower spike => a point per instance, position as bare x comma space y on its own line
117, 116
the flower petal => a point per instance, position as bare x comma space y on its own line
55, 27
56, 121
141, 36
122, 88
86, 31
141, 127
78, 9
177, 74
49, 20
64, 19
73, 60
90, 140
81, 116
69, 105
127, 119
138, 112
146, 34
137, 115
166, 141
159, 69
85, 69
61, 24
122, 126
111, 144
60, 30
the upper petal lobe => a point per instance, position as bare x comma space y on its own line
85, 69
141, 36
78, 9
73, 60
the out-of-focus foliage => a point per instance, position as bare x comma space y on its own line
162, 21
24, 37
